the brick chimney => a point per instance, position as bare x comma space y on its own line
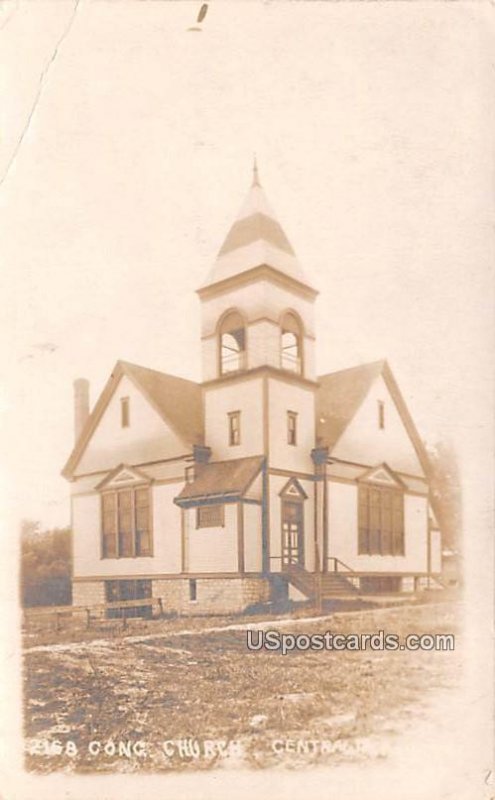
81, 405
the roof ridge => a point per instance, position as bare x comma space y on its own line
132, 365
381, 361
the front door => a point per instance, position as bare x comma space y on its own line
292, 533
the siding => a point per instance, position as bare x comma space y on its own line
252, 538
147, 438
212, 549
166, 537
343, 533
365, 443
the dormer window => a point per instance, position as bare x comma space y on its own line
291, 343
125, 417
232, 344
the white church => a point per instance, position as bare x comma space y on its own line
264, 480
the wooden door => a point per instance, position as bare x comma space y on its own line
292, 533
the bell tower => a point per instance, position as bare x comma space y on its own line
257, 334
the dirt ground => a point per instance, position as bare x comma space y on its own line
189, 695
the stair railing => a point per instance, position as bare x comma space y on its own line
339, 565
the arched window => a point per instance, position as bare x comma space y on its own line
291, 343
232, 343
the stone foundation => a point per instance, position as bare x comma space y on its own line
88, 593
212, 595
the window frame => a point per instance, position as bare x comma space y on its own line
209, 506
125, 412
381, 503
234, 433
117, 533
292, 428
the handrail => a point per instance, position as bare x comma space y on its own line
336, 562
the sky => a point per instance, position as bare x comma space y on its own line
127, 148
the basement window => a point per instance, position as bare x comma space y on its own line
193, 590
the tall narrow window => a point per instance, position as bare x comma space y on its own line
381, 521
193, 590
142, 522
232, 344
126, 523
381, 414
234, 428
109, 525
125, 417
291, 343
291, 427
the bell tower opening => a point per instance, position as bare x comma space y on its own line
257, 335
291, 333
232, 343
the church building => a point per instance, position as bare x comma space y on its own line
264, 480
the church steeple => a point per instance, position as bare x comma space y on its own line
255, 239
257, 305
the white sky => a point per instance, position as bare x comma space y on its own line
370, 122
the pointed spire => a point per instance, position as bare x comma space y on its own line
255, 239
256, 177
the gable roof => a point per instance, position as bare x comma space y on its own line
340, 396
221, 479
177, 400
382, 474
255, 239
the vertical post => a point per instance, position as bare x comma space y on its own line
318, 596
240, 537
265, 524
183, 538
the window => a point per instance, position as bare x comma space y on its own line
381, 414
291, 427
124, 591
381, 521
190, 474
291, 343
125, 419
210, 516
193, 590
126, 523
232, 344
234, 428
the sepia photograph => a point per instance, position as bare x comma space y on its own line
247, 399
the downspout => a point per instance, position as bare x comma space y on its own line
265, 544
